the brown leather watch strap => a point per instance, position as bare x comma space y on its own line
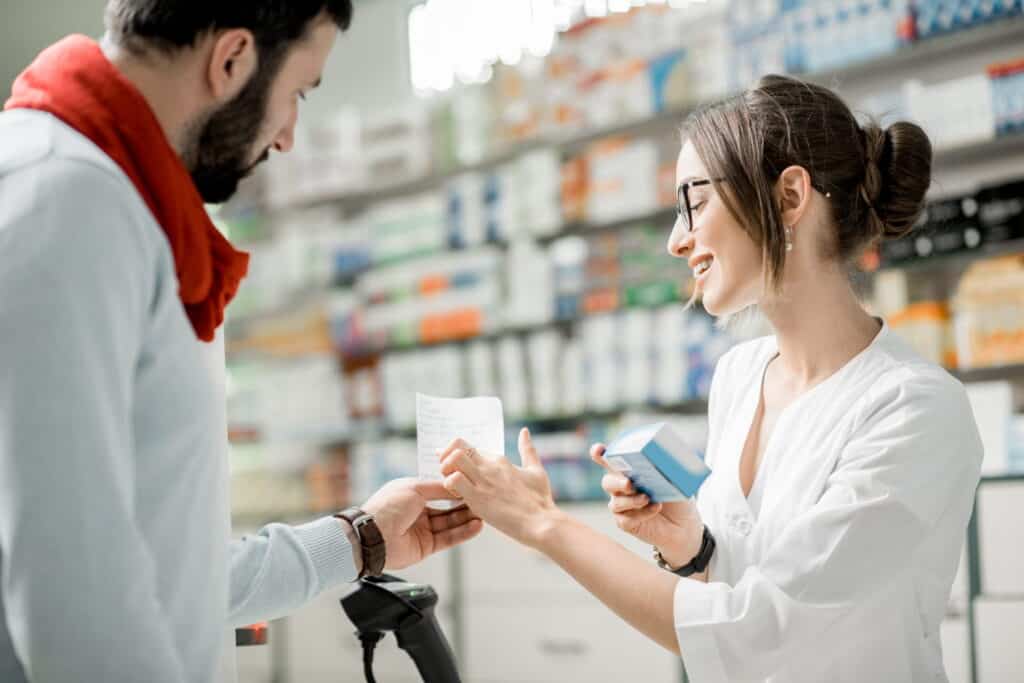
371, 541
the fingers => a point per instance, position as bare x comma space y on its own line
442, 520
455, 535
455, 445
432, 490
458, 484
615, 484
619, 504
597, 455
629, 521
463, 459
527, 453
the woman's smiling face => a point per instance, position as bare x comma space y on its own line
726, 262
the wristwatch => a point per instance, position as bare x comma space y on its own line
699, 562
371, 541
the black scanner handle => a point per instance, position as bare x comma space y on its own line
423, 639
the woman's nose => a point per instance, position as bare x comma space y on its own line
680, 242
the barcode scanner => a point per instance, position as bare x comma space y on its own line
380, 604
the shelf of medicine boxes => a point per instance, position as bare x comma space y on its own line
240, 348
990, 374
1002, 146
1007, 477
372, 430
984, 250
1003, 32
961, 257
301, 301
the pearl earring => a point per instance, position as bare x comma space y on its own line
789, 238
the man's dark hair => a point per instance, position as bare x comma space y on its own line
172, 25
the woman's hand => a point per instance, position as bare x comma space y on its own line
675, 529
515, 500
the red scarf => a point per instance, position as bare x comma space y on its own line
74, 81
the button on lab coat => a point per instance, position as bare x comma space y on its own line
840, 566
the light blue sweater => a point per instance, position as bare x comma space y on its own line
115, 555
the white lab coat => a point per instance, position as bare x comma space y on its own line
844, 571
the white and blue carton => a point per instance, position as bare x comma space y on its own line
658, 462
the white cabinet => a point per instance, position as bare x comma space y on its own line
999, 626
497, 570
1000, 538
555, 644
527, 621
956, 656
254, 664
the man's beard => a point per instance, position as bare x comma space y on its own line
219, 153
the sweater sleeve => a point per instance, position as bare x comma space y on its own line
78, 578
281, 568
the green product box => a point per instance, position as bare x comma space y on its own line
645, 295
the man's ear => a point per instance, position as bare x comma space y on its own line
793, 193
233, 61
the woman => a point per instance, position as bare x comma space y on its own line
824, 544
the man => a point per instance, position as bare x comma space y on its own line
115, 563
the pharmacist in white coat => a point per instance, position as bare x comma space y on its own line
825, 542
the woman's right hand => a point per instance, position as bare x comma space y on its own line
675, 529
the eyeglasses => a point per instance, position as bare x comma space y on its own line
684, 210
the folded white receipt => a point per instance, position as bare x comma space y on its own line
439, 421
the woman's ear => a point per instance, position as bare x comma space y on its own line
233, 62
793, 193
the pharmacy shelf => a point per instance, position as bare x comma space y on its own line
696, 406
957, 258
252, 520
1002, 146
566, 325
323, 437
1002, 32
293, 305
305, 299
375, 430
1007, 145
998, 33
1008, 477
998, 372
662, 216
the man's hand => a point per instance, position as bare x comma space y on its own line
411, 531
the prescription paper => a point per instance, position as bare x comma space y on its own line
439, 421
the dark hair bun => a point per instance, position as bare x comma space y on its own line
897, 174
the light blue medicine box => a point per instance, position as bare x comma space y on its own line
658, 462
